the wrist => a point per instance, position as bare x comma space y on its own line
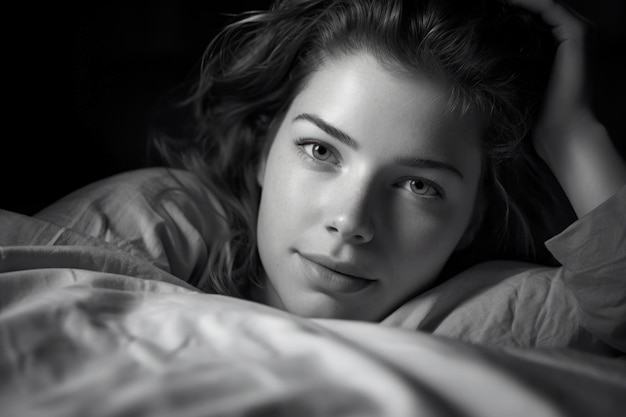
585, 162
552, 141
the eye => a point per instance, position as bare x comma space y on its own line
423, 188
318, 152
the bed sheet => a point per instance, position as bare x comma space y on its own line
168, 219
89, 330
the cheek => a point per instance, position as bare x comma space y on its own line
427, 236
285, 197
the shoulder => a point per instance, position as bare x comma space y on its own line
148, 182
142, 187
163, 215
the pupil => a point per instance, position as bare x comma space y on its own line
320, 150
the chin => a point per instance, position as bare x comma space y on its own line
322, 306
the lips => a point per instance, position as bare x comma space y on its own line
334, 276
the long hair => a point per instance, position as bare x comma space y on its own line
495, 57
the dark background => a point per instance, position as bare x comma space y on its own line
125, 55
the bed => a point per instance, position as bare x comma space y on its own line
98, 318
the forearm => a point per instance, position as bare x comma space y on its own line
588, 167
594, 266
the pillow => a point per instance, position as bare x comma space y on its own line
581, 304
163, 216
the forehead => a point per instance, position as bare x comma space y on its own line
369, 101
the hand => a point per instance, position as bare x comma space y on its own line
567, 135
566, 107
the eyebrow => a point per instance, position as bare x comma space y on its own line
346, 139
329, 129
429, 163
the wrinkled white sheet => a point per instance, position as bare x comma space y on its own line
98, 318
169, 220
80, 338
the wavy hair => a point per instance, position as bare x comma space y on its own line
495, 57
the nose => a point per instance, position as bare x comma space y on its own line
351, 217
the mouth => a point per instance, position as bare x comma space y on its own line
333, 276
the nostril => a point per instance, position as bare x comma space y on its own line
332, 229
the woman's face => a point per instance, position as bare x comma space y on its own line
368, 187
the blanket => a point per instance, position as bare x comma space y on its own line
93, 325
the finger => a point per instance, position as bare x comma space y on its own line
568, 86
567, 24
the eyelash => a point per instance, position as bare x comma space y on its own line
302, 142
439, 191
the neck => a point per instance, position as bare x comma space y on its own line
265, 293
